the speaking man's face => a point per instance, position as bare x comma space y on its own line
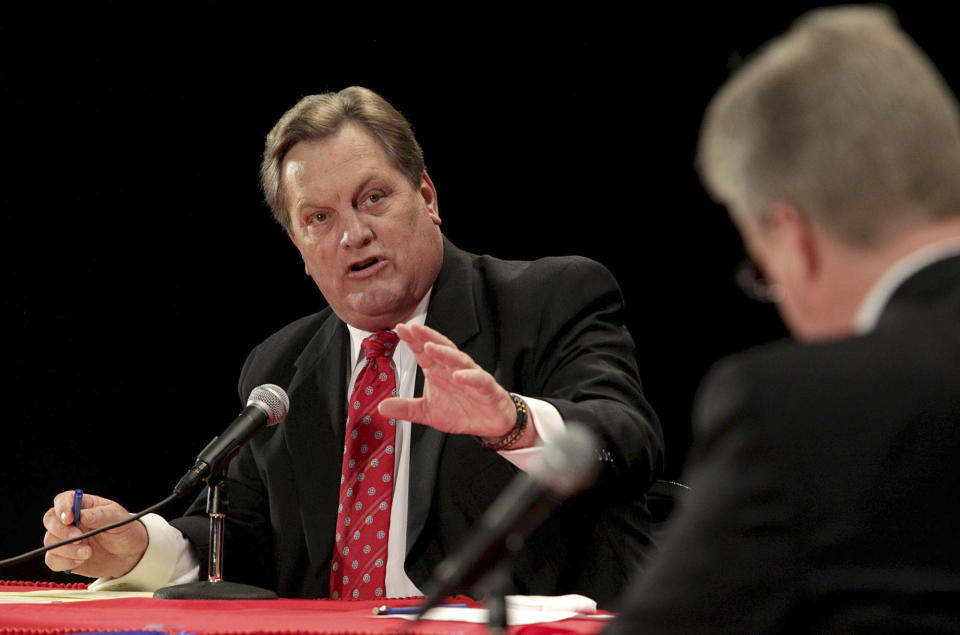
369, 240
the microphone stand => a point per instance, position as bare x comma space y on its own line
492, 588
214, 587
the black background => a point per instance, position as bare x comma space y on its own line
140, 263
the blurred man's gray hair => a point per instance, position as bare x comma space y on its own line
845, 118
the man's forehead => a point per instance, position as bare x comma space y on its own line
350, 150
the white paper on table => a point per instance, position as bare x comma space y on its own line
515, 617
49, 596
571, 602
521, 610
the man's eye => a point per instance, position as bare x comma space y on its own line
375, 197
319, 217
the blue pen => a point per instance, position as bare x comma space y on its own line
77, 504
410, 610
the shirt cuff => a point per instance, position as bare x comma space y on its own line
548, 423
169, 559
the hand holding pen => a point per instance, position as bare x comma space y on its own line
112, 553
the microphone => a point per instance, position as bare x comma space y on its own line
268, 405
566, 466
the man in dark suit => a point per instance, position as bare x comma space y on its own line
824, 471
345, 178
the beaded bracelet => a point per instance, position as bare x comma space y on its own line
509, 439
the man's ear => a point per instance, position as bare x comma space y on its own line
794, 236
429, 193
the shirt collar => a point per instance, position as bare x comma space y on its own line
882, 290
419, 316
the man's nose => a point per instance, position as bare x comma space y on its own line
356, 231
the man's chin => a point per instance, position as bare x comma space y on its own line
375, 316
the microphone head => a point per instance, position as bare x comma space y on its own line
568, 463
273, 400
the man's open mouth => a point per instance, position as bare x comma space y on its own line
363, 264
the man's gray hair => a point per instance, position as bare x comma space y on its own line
843, 117
317, 117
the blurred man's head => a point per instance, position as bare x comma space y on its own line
838, 140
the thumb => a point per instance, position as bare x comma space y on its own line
402, 408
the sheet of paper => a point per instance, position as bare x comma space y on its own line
49, 596
515, 617
522, 610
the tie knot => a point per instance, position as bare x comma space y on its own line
380, 344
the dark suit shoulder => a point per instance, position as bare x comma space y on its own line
272, 360
541, 270
551, 286
296, 335
835, 380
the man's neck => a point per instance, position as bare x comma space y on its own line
871, 276
418, 315
870, 309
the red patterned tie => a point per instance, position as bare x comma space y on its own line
366, 481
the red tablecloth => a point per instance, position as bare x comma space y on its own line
214, 617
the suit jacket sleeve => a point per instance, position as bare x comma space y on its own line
587, 369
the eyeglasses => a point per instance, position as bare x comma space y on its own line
754, 284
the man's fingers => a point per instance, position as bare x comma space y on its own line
479, 381
402, 408
433, 350
55, 525
66, 557
450, 355
407, 335
417, 335
69, 557
72, 549
63, 506
57, 562
445, 358
103, 515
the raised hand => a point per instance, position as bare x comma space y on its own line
459, 397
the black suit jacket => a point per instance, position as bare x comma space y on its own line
824, 488
551, 329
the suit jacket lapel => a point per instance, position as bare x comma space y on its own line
452, 312
315, 432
